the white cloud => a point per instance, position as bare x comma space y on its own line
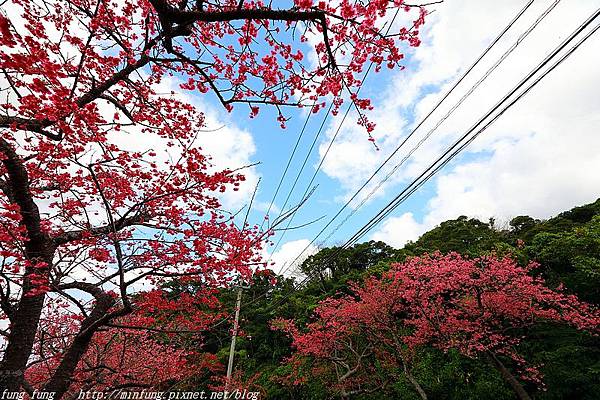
541, 157
397, 231
288, 252
230, 147
265, 206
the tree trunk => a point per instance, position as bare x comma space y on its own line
509, 378
407, 372
38, 248
415, 384
20, 342
24, 326
61, 379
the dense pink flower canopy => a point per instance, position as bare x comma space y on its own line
475, 306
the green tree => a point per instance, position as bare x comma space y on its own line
571, 258
467, 236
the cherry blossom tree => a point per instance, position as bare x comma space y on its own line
355, 345
479, 307
104, 188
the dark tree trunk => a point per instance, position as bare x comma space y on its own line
38, 248
415, 383
509, 377
61, 379
20, 343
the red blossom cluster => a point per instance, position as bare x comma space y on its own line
245, 52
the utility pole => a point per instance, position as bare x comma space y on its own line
234, 334
238, 304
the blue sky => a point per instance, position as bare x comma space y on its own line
274, 148
538, 159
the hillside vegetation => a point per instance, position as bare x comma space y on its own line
562, 362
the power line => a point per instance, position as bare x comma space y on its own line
445, 117
399, 198
322, 159
288, 164
414, 130
458, 146
320, 164
314, 142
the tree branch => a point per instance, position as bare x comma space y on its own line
67, 237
